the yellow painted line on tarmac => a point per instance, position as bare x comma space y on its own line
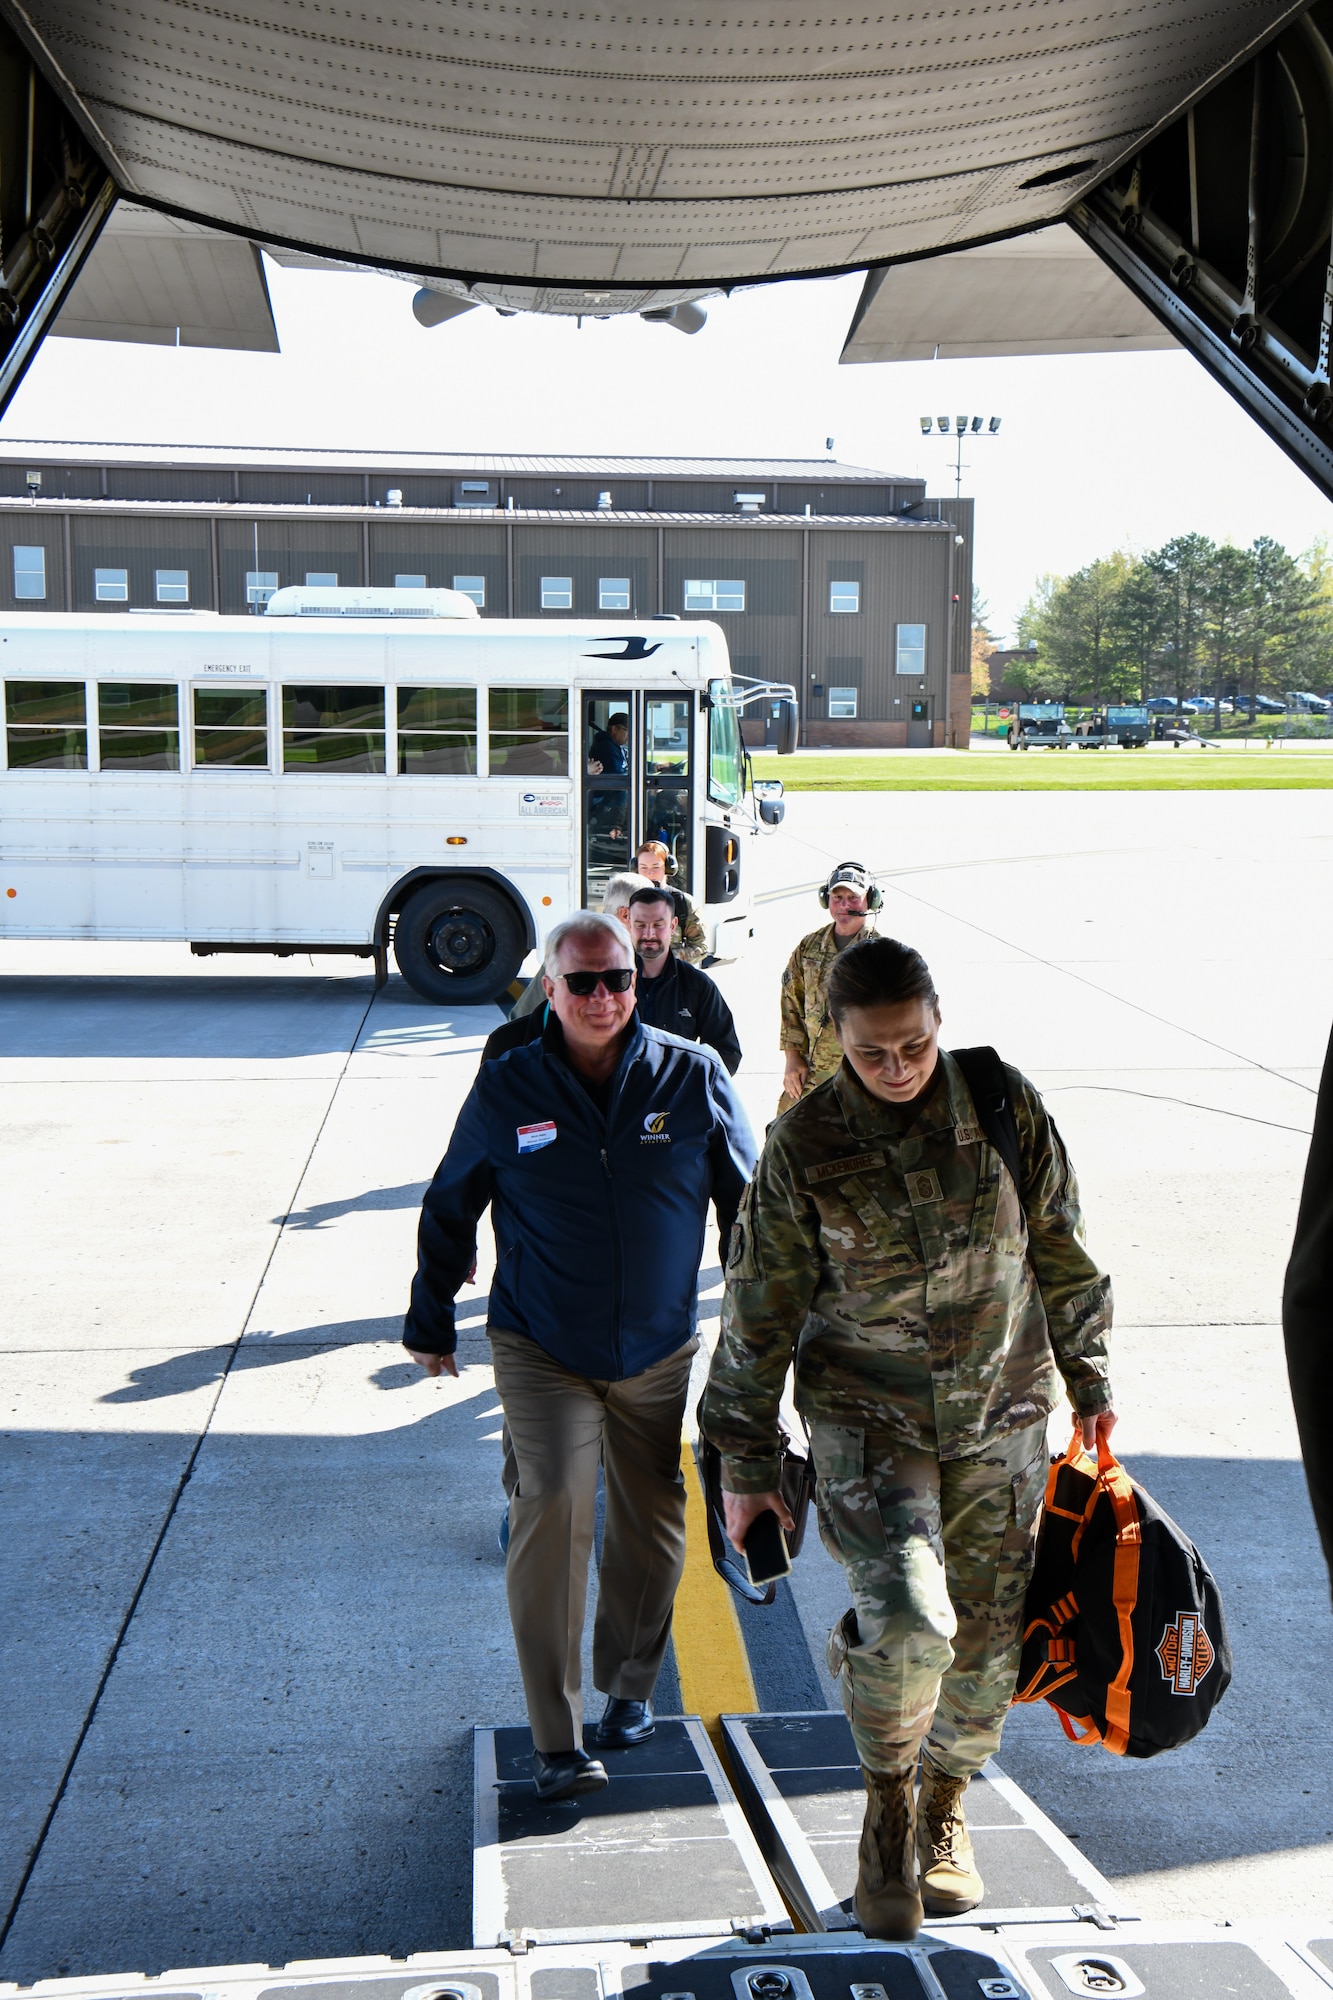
711, 1659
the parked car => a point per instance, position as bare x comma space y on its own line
1308, 704
1265, 705
1162, 704
1205, 704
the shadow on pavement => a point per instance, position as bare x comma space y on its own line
161, 1018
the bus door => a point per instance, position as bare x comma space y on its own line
668, 780
608, 749
638, 784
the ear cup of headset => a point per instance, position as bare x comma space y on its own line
875, 899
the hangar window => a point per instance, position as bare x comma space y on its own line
138, 726
613, 593
173, 586
321, 579
47, 725
911, 649
29, 572
111, 586
413, 583
842, 704
473, 587
557, 593
260, 585
844, 597
714, 594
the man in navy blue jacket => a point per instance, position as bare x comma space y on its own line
598, 1148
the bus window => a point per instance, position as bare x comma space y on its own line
47, 725
666, 778
529, 735
138, 726
437, 731
606, 792
724, 747
231, 728
333, 729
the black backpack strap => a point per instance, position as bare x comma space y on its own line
983, 1073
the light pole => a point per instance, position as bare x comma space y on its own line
962, 427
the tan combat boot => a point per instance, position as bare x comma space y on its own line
950, 1883
886, 1904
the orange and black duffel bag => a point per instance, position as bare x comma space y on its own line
1124, 1633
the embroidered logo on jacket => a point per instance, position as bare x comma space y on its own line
654, 1131
1185, 1652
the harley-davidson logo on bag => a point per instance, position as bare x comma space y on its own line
1185, 1651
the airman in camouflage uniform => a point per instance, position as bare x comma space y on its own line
809, 1040
931, 1316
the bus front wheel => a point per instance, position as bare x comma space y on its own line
458, 946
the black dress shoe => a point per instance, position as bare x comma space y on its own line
566, 1774
624, 1723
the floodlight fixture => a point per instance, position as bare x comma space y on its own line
927, 425
977, 422
994, 425
943, 425
961, 425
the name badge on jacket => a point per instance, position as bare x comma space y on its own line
531, 1138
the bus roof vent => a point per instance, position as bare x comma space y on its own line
306, 601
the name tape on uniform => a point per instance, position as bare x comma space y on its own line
532, 1137
838, 1170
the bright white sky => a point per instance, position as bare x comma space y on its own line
1095, 451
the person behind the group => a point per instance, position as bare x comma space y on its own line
653, 861
532, 1000
672, 994
574, 1140
810, 1050
931, 1313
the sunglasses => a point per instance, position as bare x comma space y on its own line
616, 979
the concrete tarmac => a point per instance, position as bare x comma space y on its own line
255, 1601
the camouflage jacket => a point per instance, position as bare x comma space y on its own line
807, 1025
898, 1270
689, 942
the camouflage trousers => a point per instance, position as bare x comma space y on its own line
938, 1555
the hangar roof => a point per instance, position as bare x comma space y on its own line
514, 464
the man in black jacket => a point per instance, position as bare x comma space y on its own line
672, 994
571, 1141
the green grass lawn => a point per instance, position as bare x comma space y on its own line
1222, 770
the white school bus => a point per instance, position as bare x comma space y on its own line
355, 771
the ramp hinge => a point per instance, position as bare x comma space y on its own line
1093, 1913
518, 1942
752, 1933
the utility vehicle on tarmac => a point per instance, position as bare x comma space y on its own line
1040, 725
1131, 728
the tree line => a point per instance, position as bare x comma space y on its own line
1194, 616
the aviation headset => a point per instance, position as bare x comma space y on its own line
854, 874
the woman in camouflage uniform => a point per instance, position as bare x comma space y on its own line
932, 1314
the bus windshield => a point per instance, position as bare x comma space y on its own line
724, 746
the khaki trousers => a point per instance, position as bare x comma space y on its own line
562, 1426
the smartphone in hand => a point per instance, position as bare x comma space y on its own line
766, 1555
